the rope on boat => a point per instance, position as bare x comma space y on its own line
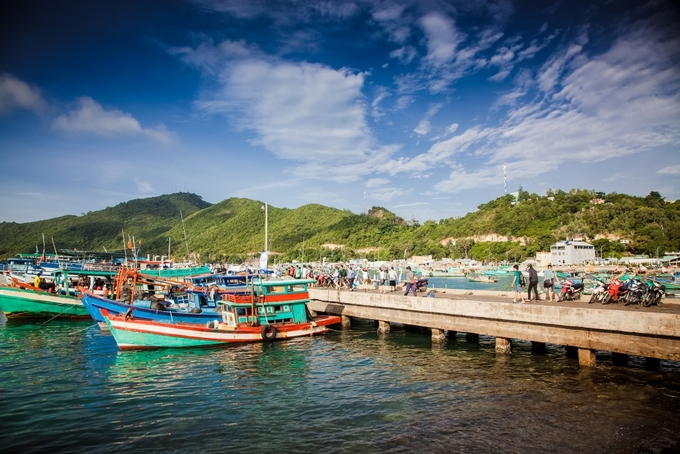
70, 306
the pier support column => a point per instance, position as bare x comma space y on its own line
586, 357
651, 363
383, 327
538, 348
619, 359
438, 336
503, 345
472, 338
346, 322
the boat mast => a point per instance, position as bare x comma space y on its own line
266, 226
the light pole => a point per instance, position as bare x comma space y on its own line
657, 251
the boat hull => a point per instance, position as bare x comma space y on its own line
22, 303
132, 334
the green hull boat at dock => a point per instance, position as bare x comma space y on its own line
21, 300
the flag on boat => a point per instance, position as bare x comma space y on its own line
263, 260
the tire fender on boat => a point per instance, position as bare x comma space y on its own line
212, 324
268, 333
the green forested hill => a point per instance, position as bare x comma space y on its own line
145, 219
233, 229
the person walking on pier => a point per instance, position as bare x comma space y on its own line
533, 281
516, 284
410, 282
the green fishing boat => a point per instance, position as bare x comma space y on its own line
22, 300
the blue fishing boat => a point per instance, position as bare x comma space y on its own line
187, 306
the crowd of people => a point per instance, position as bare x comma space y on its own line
351, 277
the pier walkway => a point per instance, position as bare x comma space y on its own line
650, 332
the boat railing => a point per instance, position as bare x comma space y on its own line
100, 267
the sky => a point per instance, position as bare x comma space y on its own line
427, 108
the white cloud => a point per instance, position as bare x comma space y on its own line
443, 38
621, 102
373, 182
387, 194
670, 170
91, 117
308, 113
423, 128
376, 110
17, 94
144, 187
405, 54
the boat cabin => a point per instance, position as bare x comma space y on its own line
272, 302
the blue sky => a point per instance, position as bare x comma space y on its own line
416, 106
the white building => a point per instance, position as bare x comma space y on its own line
571, 253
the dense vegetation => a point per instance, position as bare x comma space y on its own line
233, 230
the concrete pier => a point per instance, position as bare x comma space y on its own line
653, 332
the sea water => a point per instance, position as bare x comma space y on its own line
65, 387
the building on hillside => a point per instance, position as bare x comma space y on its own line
421, 259
572, 253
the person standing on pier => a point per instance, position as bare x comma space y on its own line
516, 284
351, 276
392, 275
550, 279
533, 281
365, 280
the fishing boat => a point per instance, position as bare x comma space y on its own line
274, 310
23, 300
163, 300
448, 272
481, 278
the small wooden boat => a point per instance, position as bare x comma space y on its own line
481, 278
275, 309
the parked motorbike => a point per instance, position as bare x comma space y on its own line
598, 292
655, 292
570, 290
617, 291
422, 283
636, 292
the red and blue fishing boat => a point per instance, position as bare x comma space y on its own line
152, 298
272, 310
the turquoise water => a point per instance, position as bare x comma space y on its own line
64, 387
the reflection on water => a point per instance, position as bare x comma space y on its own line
66, 387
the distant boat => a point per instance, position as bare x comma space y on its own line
449, 272
481, 278
274, 310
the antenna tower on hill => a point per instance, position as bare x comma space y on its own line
505, 182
